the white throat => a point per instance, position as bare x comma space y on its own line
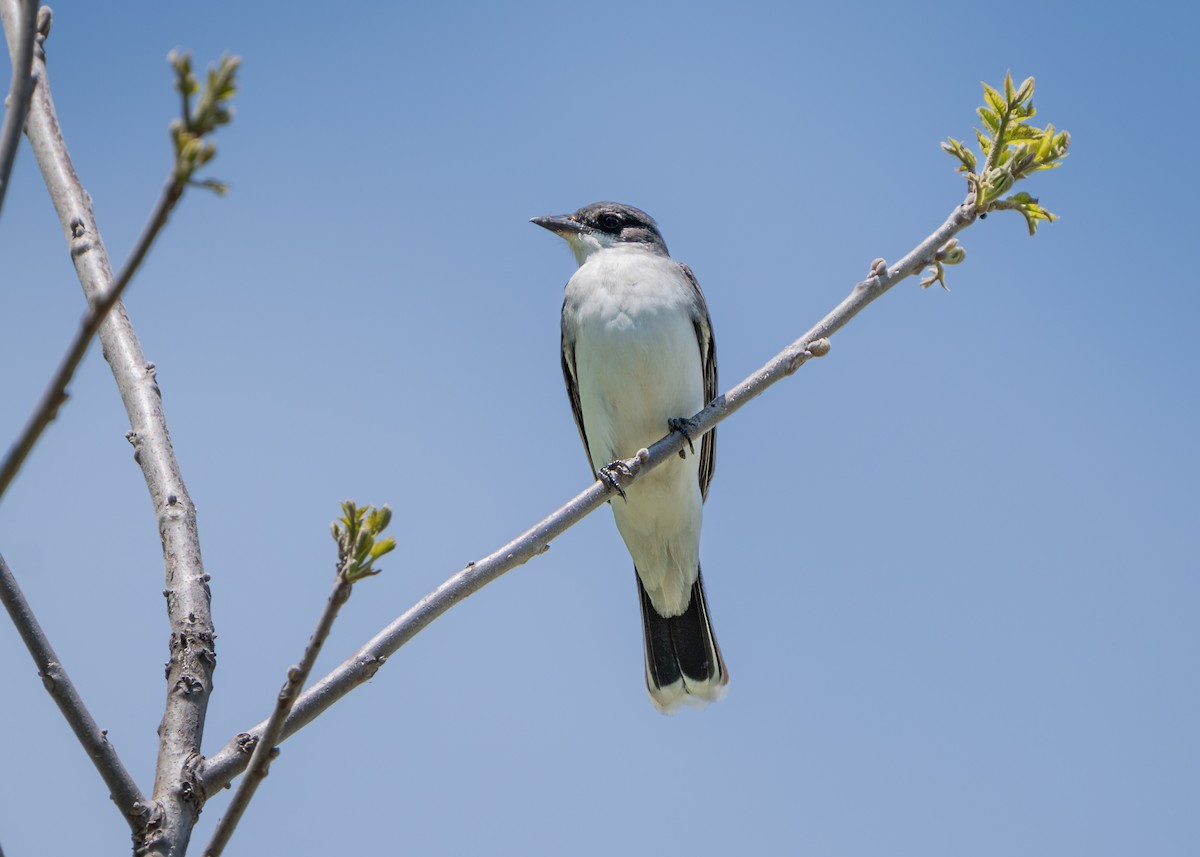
586, 244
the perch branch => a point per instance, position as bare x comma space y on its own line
220, 768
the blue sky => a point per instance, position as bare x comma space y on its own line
952, 566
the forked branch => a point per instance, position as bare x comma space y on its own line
175, 802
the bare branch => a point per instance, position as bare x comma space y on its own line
358, 548
189, 672
219, 769
20, 25
123, 790
192, 152
55, 394
265, 749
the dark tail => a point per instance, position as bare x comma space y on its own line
683, 660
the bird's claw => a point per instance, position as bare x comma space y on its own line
611, 473
685, 426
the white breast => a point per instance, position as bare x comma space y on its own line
638, 364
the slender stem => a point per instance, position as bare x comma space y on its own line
220, 768
265, 749
21, 28
171, 193
124, 791
55, 394
176, 800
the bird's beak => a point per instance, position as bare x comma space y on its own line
563, 225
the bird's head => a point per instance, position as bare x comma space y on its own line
603, 225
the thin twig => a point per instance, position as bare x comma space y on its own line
171, 193
21, 29
265, 749
123, 790
55, 394
220, 768
176, 801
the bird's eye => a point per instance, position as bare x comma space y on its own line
610, 222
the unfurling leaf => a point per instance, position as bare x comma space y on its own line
356, 539
386, 546
1013, 150
1025, 91
938, 275
989, 118
995, 100
965, 155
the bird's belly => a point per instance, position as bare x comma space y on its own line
635, 374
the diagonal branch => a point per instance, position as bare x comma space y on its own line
123, 790
55, 394
189, 672
358, 547
220, 768
265, 750
188, 159
21, 28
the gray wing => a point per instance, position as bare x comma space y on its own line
568, 367
708, 353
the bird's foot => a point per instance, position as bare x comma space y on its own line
611, 474
686, 426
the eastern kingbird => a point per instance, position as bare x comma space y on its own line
638, 358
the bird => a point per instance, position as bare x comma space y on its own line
639, 360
